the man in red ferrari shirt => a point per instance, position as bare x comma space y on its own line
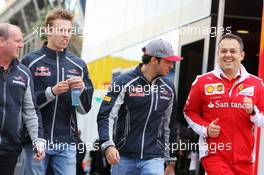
223, 106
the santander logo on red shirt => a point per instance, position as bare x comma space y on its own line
242, 90
221, 104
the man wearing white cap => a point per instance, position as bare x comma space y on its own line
142, 103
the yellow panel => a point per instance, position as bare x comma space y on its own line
101, 70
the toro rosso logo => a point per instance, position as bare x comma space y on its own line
42, 71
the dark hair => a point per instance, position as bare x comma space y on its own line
57, 13
235, 37
147, 58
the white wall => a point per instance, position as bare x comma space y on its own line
111, 25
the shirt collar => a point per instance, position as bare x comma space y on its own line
52, 53
238, 74
242, 71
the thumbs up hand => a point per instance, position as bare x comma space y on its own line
248, 105
213, 130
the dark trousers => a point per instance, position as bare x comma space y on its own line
8, 163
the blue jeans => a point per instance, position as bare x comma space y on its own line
28, 158
132, 166
63, 161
